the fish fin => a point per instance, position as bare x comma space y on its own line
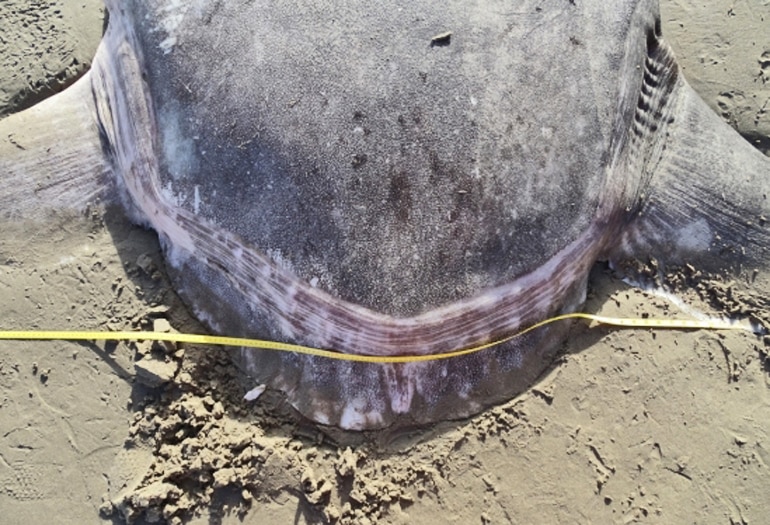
707, 198
51, 157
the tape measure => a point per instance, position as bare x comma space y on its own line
63, 335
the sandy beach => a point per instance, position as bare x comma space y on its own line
628, 426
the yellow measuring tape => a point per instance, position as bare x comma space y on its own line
47, 335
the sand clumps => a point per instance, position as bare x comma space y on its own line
206, 448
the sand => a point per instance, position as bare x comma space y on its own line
629, 426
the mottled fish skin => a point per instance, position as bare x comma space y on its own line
269, 300
310, 267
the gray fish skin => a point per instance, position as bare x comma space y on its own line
332, 177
